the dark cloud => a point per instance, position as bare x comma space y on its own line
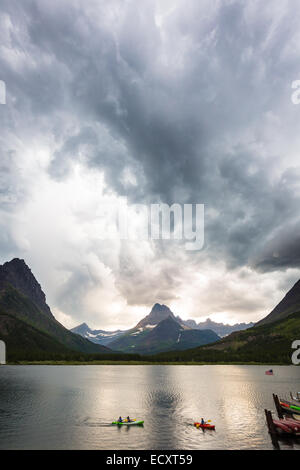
280, 252
193, 101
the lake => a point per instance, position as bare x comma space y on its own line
72, 407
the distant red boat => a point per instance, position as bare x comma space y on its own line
269, 372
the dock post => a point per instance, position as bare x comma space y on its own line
270, 423
278, 407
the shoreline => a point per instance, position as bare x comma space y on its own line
138, 363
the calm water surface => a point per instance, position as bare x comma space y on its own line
71, 407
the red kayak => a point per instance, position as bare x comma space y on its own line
204, 426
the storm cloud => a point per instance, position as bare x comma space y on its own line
153, 101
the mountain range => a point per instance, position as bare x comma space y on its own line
159, 331
220, 329
27, 324
30, 330
269, 340
157, 314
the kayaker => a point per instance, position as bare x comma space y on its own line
120, 420
128, 419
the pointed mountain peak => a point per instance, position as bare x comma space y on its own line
16, 264
157, 314
15, 261
160, 308
84, 326
17, 274
81, 329
156, 306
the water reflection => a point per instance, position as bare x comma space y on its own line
73, 407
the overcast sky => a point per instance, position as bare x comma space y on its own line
153, 101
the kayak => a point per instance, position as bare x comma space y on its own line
126, 423
204, 426
289, 405
289, 410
